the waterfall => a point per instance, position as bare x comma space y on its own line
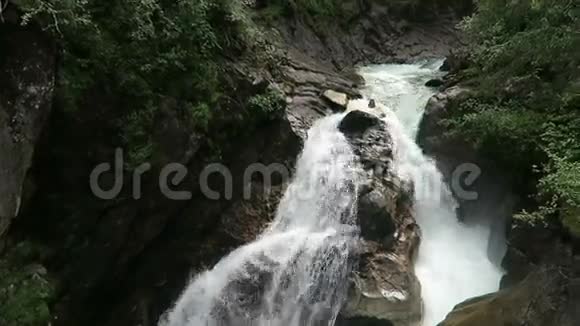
295, 273
453, 263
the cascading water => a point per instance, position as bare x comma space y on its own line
295, 273
453, 262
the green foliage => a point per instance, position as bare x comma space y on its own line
526, 60
140, 52
503, 130
268, 105
137, 135
25, 292
520, 39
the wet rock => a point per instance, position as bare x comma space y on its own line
384, 287
338, 100
446, 66
434, 83
431, 136
455, 61
243, 295
539, 300
358, 121
374, 219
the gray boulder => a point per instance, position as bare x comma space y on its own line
357, 122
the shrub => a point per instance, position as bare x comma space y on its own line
267, 106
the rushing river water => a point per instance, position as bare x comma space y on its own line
453, 263
296, 272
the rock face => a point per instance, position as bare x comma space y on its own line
384, 287
305, 81
379, 32
27, 70
545, 297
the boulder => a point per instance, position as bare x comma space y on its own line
434, 83
431, 135
384, 286
540, 300
358, 121
338, 100
455, 61
446, 66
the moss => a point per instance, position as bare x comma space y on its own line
25, 290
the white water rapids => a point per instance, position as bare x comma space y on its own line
453, 263
296, 273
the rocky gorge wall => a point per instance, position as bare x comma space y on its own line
123, 262
27, 67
